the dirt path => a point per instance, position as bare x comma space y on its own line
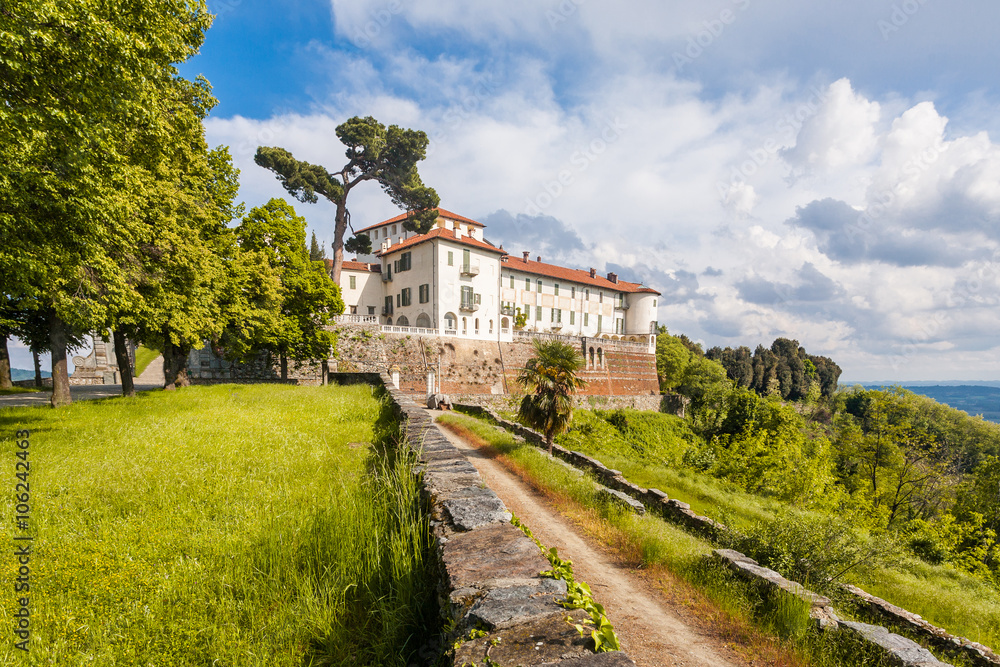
651, 632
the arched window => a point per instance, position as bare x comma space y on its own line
477, 325
423, 321
450, 321
402, 321
505, 323
600, 358
590, 364
491, 326
465, 325
388, 321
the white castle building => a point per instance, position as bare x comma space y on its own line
452, 282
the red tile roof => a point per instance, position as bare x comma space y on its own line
350, 265
442, 233
574, 275
444, 213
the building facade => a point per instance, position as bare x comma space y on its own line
452, 282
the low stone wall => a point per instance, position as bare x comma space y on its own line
490, 572
204, 367
46, 382
901, 650
510, 402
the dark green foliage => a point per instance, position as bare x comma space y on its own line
386, 155
301, 179
317, 253
360, 244
784, 370
738, 363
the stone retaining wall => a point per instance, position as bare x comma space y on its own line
46, 382
902, 650
490, 572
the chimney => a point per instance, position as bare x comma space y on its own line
593, 273
539, 259
613, 277
526, 253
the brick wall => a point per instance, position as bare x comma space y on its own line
474, 367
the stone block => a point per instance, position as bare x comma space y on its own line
492, 557
901, 651
610, 659
475, 506
505, 607
539, 641
617, 497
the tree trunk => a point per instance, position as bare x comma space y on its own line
340, 228
60, 375
6, 382
38, 369
169, 374
124, 363
549, 439
284, 366
175, 373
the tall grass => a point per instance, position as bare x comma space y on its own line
784, 622
943, 595
226, 525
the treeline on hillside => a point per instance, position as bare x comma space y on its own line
785, 369
887, 460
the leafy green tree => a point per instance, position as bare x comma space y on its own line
388, 156
550, 377
308, 298
738, 363
672, 359
79, 82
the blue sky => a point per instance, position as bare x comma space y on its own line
822, 171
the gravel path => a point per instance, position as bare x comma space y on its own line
652, 632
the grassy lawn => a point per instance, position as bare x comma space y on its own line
951, 599
18, 390
143, 356
225, 525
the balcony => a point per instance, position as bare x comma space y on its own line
386, 310
387, 276
469, 306
507, 310
471, 269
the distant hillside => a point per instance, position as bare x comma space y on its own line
975, 399
17, 374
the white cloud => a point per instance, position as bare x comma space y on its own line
841, 134
654, 173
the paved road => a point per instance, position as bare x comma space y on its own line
79, 393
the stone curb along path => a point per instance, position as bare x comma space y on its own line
903, 651
490, 570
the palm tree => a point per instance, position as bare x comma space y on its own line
550, 378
